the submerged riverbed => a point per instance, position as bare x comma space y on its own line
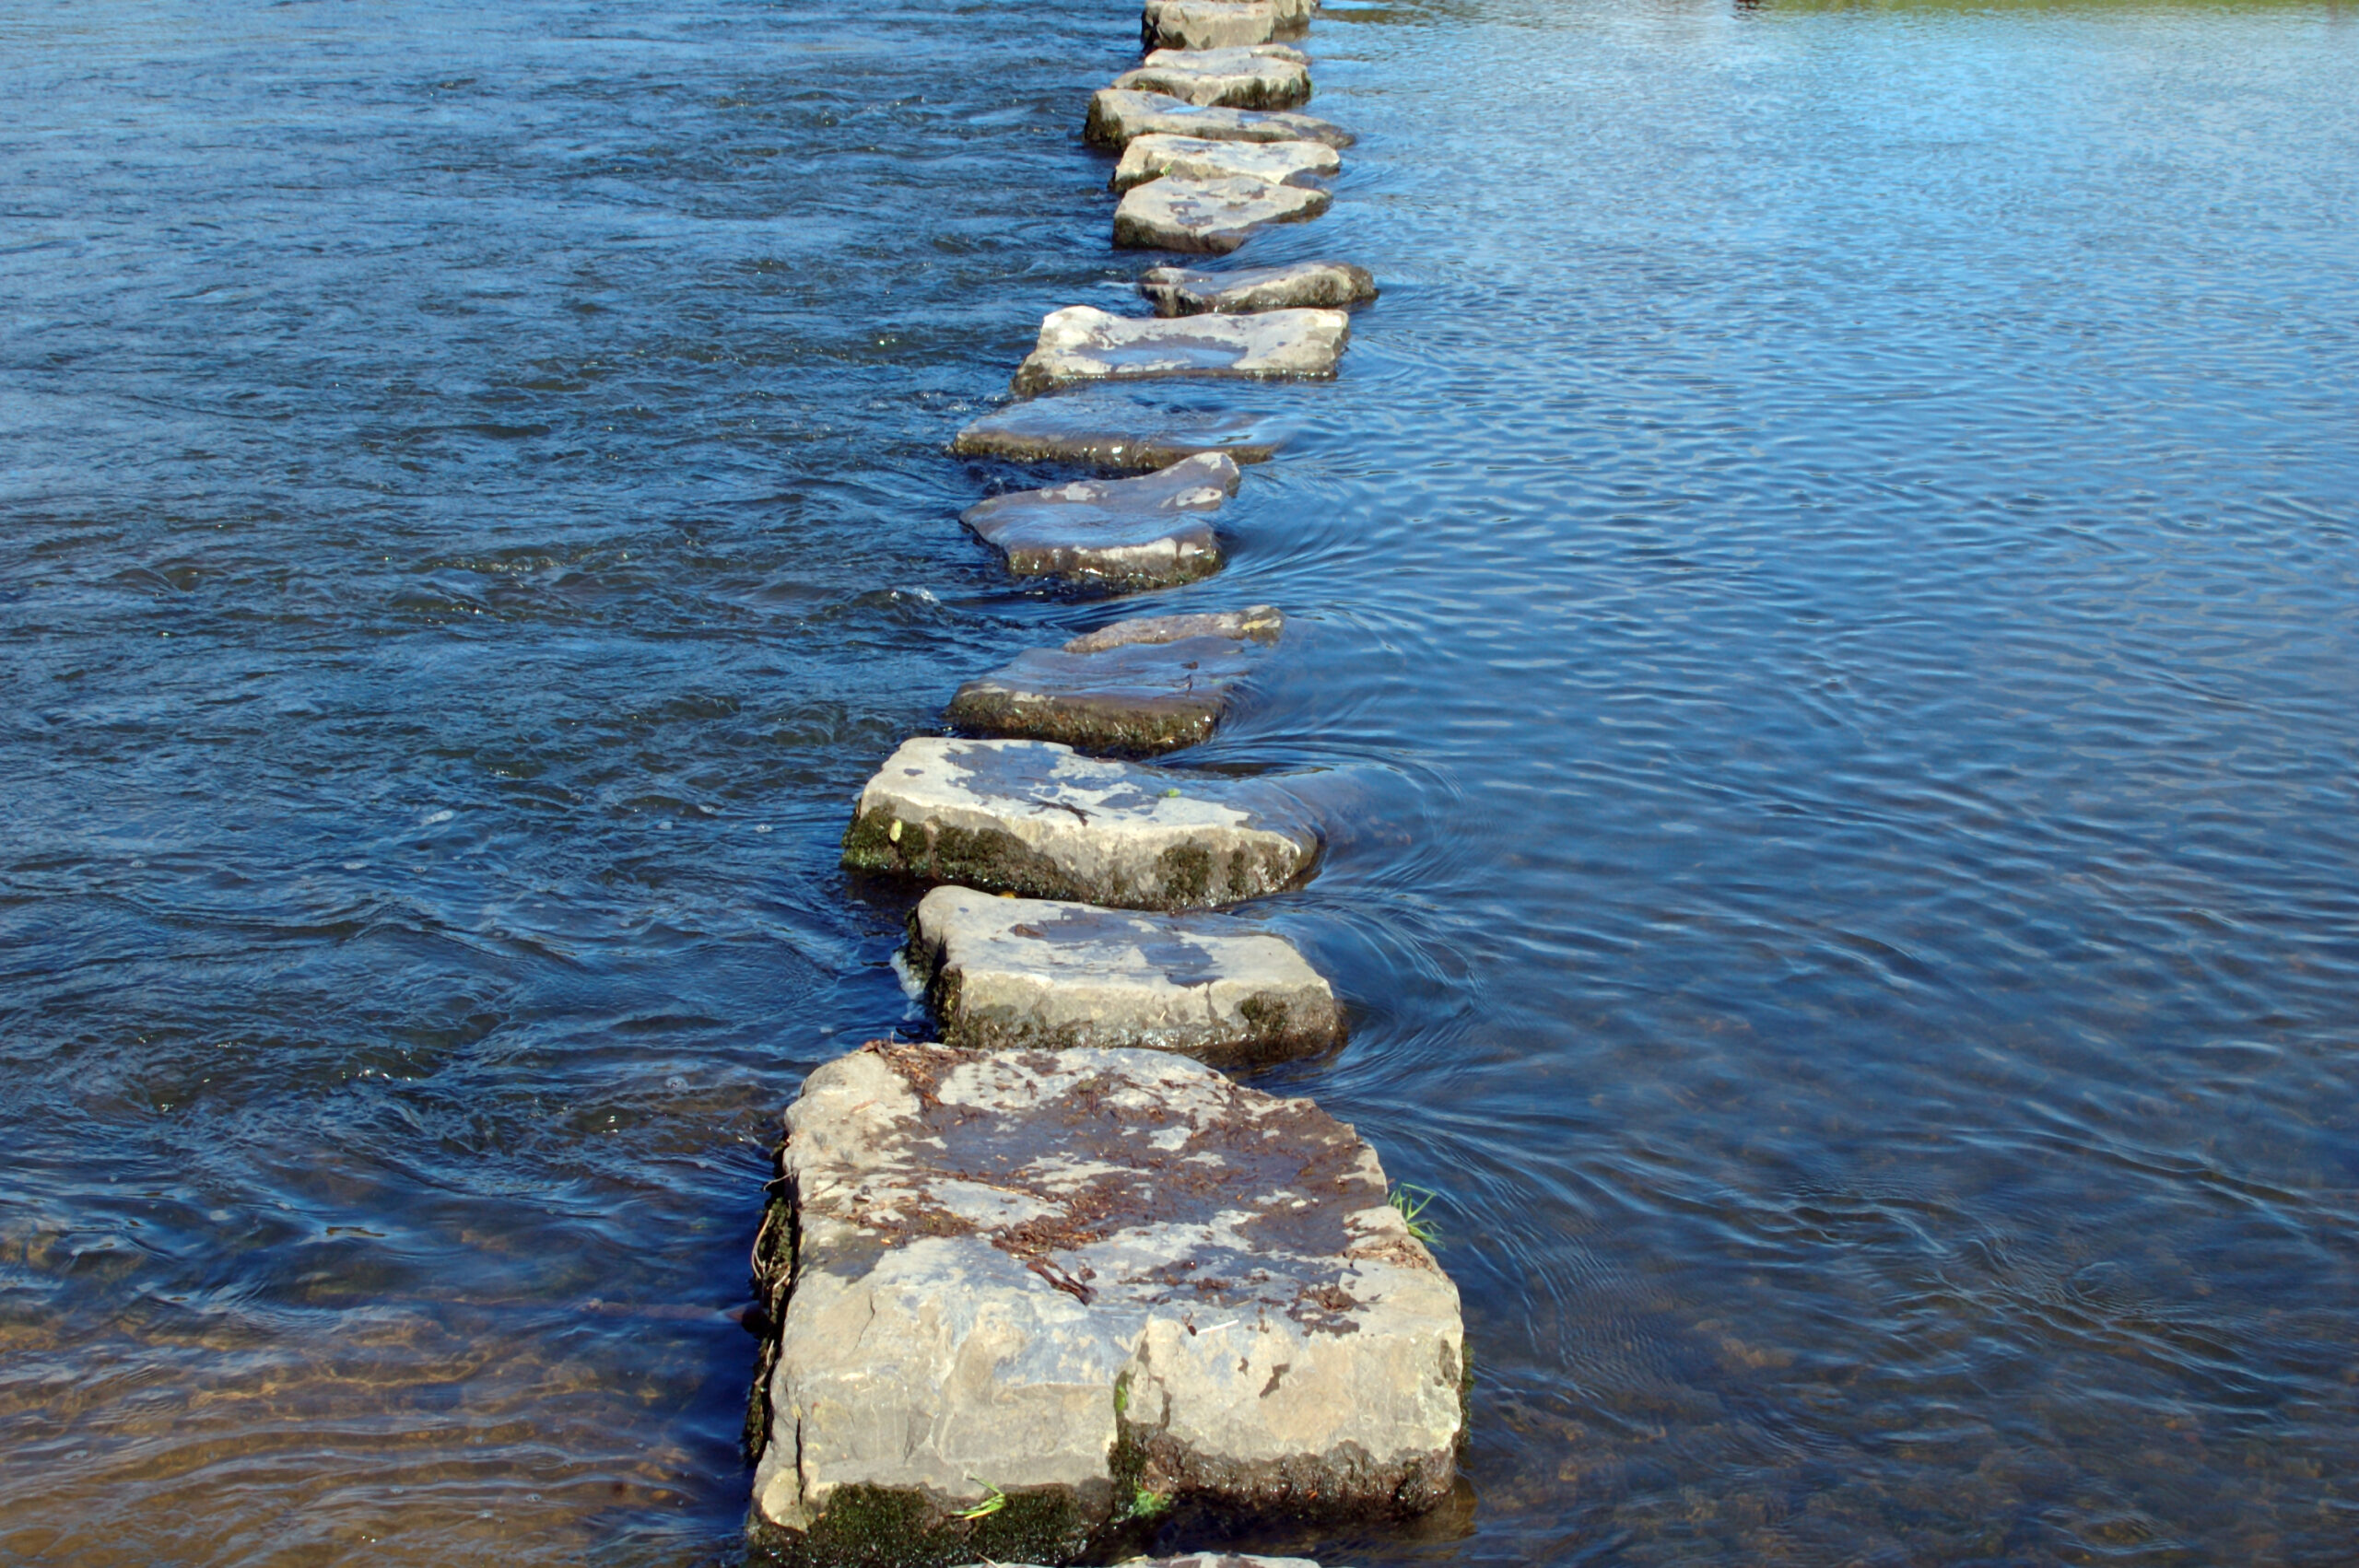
1825, 588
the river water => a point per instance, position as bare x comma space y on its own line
1823, 615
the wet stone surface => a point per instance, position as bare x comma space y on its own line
1135, 688
1118, 116
1028, 972
1268, 75
1195, 157
1181, 291
1220, 24
1035, 818
1151, 531
1209, 216
1081, 342
1096, 1282
1121, 431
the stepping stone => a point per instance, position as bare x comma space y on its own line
1081, 342
1220, 24
1121, 431
1211, 216
1268, 75
1194, 1560
1118, 115
1025, 1297
1153, 532
1026, 973
1193, 157
1039, 819
1328, 285
1136, 688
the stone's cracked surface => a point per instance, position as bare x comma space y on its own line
1151, 531
1136, 688
1035, 818
1194, 158
1220, 24
1032, 974
1118, 116
1177, 291
1081, 1277
1209, 216
1081, 342
1267, 75
1121, 431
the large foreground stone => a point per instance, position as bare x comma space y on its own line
1177, 291
1135, 688
1039, 819
1152, 531
1268, 75
1118, 116
1209, 216
1194, 158
1220, 24
1092, 1284
1009, 973
1081, 342
1119, 430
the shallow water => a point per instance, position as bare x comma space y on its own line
1823, 606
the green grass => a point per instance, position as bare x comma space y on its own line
993, 1500
1412, 1202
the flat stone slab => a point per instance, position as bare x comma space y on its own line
1081, 342
1039, 819
1092, 1284
1194, 1560
1034, 973
1118, 116
1194, 158
1178, 292
1209, 216
1220, 24
1120, 431
1152, 531
1135, 688
1267, 75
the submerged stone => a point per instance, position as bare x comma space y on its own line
1194, 158
1267, 75
1092, 1284
1039, 819
1119, 430
1081, 342
1118, 116
1212, 217
1177, 291
1152, 531
1220, 24
1031, 973
1135, 688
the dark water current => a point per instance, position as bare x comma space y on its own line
1825, 591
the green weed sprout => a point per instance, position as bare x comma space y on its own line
992, 1503
1411, 1201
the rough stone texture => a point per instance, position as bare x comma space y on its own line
1118, 116
1209, 216
1220, 24
1267, 75
1081, 342
1193, 157
1039, 819
1177, 291
1028, 972
1194, 1560
1101, 1283
1151, 531
1121, 431
1136, 688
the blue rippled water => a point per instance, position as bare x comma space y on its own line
1826, 615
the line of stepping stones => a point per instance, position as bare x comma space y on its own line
1043, 1282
